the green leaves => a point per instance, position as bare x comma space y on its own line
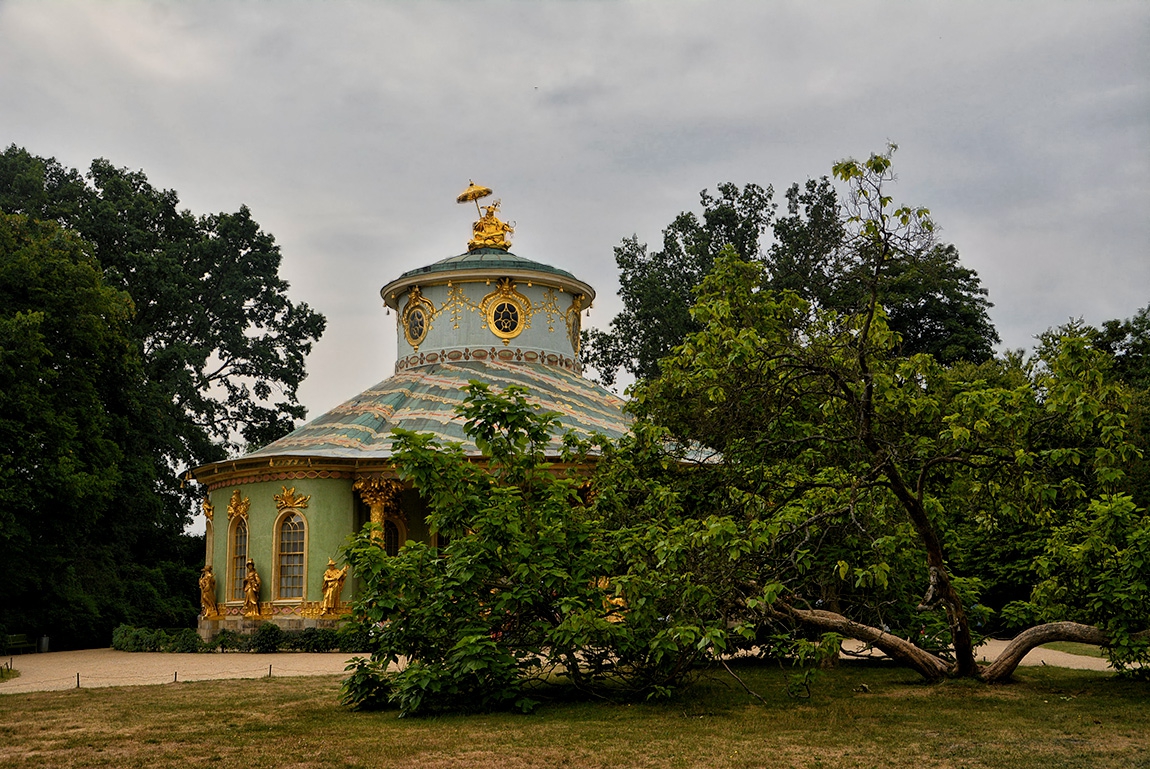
211, 352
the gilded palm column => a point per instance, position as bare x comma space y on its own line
382, 495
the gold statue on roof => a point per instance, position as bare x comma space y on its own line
490, 231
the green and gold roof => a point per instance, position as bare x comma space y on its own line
424, 400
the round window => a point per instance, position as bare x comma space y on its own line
416, 324
505, 318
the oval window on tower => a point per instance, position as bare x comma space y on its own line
416, 318
505, 318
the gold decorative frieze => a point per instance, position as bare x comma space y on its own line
316, 610
550, 306
238, 506
290, 500
544, 357
457, 302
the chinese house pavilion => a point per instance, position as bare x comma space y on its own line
277, 517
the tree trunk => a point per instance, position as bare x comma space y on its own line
1003, 668
944, 592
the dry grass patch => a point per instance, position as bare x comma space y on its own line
1052, 718
1070, 647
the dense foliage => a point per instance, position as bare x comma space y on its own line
799, 472
138, 341
532, 586
862, 476
933, 303
268, 638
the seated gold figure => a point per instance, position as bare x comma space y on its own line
490, 231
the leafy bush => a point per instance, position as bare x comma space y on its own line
355, 638
139, 639
231, 641
369, 687
313, 639
521, 596
186, 641
267, 639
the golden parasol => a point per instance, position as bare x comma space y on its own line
473, 192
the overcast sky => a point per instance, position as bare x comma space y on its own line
348, 128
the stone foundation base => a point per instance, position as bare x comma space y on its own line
210, 628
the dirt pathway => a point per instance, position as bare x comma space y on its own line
107, 667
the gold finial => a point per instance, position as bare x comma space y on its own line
489, 231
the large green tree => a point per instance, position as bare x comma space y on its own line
657, 287
219, 346
850, 464
220, 337
76, 505
935, 304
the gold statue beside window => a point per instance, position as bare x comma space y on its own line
251, 591
490, 231
332, 587
208, 592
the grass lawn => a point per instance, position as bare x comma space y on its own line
1050, 718
1070, 647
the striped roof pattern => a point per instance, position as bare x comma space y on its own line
424, 399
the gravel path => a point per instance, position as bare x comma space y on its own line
107, 667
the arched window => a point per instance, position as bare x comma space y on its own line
390, 538
239, 560
290, 557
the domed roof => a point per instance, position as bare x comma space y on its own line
485, 263
424, 400
486, 258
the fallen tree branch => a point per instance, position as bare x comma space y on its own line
748, 689
1004, 666
929, 666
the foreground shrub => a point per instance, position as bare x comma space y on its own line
355, 638
267, 639
313, 639
230, 641
368, 687
140, 639
520, 597
186, 641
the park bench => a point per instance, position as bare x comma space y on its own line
19, 644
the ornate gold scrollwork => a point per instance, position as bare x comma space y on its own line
209, 508
457, 302
238, 505
549, 305
289, 500
506, 312
416, 318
